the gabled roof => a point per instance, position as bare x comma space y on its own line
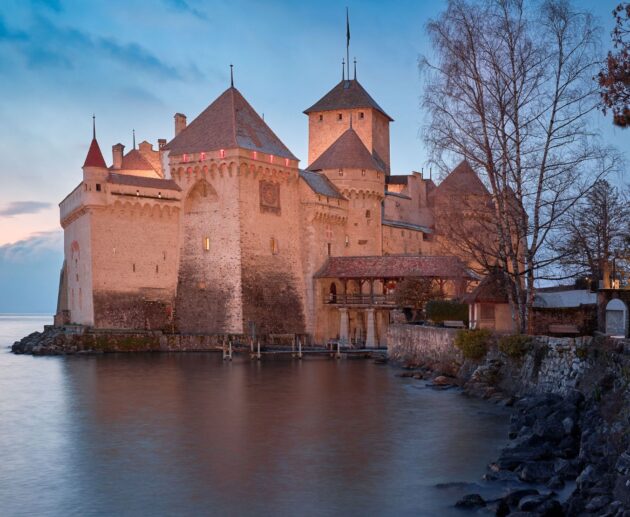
393, 266
491, 289
347, 94
462, 180
320, 184
348, 151
134, 161
228, 123
94, 156
141, 181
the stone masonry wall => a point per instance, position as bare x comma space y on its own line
421, 345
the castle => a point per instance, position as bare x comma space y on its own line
219, 231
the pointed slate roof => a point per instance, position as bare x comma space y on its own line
462, 179
347, 94
94, 156
229, 122
348, 151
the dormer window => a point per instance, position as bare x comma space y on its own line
339, 116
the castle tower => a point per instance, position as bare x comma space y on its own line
328, 118
239, 268
359, 176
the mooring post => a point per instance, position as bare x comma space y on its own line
223, 348
338, 351
230, 349
293, 346
258, 354
251, 344
299, 348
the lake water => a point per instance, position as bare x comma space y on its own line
187, 434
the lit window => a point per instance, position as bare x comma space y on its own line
137, 192
255, 155
206, 243
203, 156
185, 158
347, 241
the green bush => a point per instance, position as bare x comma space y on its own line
443, 310
515, 346
474, 344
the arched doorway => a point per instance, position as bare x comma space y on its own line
616, 318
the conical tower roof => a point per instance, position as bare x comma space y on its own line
348, 151
229, 122
462, 179
348, 94
94, 156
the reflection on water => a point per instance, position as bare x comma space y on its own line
188, 434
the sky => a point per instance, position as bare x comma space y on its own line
135, 63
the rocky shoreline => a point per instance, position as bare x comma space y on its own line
568, 454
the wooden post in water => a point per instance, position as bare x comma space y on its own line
338, 351
293, 346
258, 354
299, 348
230, 349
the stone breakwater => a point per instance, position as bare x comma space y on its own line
59, 341
569, 449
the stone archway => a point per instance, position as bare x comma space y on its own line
616, 318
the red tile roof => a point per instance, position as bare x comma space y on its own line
491, 289
134, 161
346, 95
141, 181
348, 151
94, 156
393, 266
228, 123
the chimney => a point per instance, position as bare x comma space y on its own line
180, 123
161, 143
117, 154
145, 147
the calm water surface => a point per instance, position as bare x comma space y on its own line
187, 434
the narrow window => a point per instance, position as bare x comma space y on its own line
321, 117
134, 268
222, 153
362, 172
339, 116
164, 255
98, 187
329, 248
206, 243
137, 192
159, 195
368, 214
361, 115
340, 172
347, 241
157, 269
274, 246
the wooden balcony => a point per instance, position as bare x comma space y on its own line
362, 300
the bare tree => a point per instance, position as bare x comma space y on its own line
614, 79
510, 89
596, 234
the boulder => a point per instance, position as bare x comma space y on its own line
537, 471
514, 497
597, 503
471, 501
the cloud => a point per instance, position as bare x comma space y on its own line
23, 207
183, 6
46, 44
33, 248
29, 273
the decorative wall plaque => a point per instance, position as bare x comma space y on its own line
269, 197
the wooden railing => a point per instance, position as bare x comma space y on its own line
362, 299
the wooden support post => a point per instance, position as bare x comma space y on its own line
258, 354
299, 348
293, 345
338, 351
230, 350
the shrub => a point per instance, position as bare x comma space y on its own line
515, 346
442, 310
474, 344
